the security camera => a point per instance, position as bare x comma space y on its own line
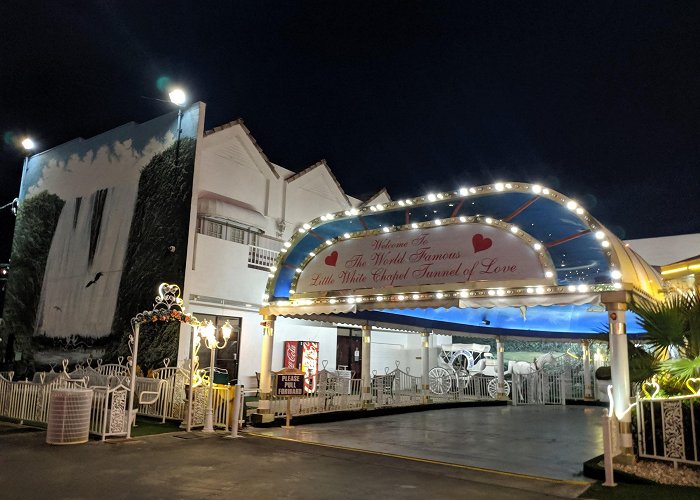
171, 248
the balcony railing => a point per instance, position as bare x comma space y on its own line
262, 249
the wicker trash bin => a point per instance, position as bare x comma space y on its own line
69, 416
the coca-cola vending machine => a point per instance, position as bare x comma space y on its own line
303, 355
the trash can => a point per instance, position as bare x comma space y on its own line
69, 416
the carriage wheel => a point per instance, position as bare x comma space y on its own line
493, 388
439, 380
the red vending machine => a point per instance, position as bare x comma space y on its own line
303, 355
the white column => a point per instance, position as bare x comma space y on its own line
620, 376
586, 360
366, 372
501, 392
132, 382
425, 362
264, 413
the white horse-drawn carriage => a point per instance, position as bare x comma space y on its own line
459, 364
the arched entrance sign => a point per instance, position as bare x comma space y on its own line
431, 260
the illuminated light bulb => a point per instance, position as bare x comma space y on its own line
332, 301
617, 285
329, 216
536, 188
415, 296
379, 208
537, 246
273, 268
402, 203
307, 226
271, 275
488, 220
599, 235
605, 243
298, 269
571, 288
346, 235
414, 225
400, 297
463, 293
409, 202
514, 229
492, 292
329, 242
354, 211
545, 191
437, 222
287, 244
472, 190
323, 217
539, 290
302, 230
463, 191
347, 212
582, 288
500, 291
529, 290
548, 274
509, 186
312, 254
439, 196
177, 97
291, 291
571, 204
379, 298
373, 208
462, 219
385, 229
351, 300
615, 274
283, 250
359, 299
439, 295
499, 186
579, 210
431, 197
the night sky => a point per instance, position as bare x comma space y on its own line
599, 100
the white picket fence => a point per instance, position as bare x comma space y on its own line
539, 388
162, 396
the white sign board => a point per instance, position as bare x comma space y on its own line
451, 254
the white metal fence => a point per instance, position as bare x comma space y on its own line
539, 388
669, 429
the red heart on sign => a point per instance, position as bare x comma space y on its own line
332, 259
481, 243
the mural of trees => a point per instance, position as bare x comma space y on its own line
36, 223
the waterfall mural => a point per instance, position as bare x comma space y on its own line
90, 211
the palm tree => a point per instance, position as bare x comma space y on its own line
673, 330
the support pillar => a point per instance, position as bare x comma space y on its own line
264, 413
501, 387
586, 360
619, 360
366, 372
425, 362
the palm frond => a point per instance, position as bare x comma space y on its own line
664, 322
683, 369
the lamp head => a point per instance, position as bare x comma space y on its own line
28, 144
208, 332
177, 97
226, 330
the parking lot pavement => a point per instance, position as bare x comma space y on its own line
196, 465
549, 441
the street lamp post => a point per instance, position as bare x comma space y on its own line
178, 98
208, 334
28, 145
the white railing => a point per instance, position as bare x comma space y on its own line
538, 388
261, 257
174, 399
667, 429
333, 393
